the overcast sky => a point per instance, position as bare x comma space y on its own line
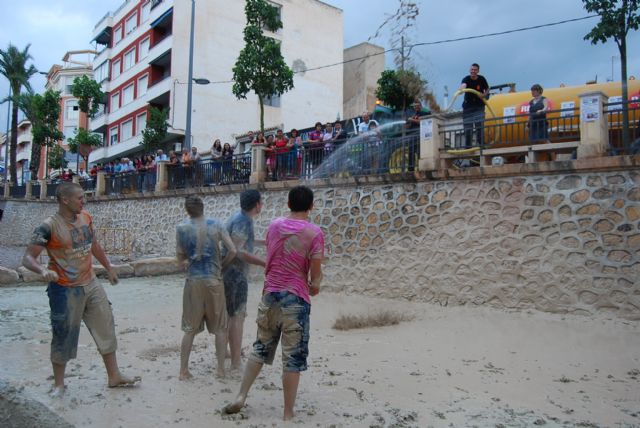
548, 56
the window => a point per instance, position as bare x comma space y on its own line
146, 10
141, 123
71, 110
129, 59
273, 101
68, 83
115, 69
144, 48
127, 94
115, 102
101, 73
127, 130
69, 131
113, 136
117, 35
131, 23
143, 83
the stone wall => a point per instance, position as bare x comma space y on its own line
557, 243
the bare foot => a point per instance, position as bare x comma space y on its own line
232, 408
57, 391
288, 416
123, 381
185, 375
220, 373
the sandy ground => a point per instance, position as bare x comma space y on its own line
458, 367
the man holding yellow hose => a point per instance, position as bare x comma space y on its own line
473, 105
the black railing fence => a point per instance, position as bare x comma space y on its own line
18, 190
614, 112
35, 189
234, 170
559, 126
52, 187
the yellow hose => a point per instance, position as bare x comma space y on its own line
486, 103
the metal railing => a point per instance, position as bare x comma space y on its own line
559, 126
121, 183
52, 187
88, 185
234, 170
35, 189
18, 190
363, 155
114, 240
614, 112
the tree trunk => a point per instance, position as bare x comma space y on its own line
13, 145
34, 165
261, 113
625, 95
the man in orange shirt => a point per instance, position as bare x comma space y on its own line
74, 291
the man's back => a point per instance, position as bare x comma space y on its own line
199, 241
240, 229
291, 244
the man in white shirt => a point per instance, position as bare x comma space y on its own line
366, 120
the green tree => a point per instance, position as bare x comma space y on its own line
617, 18
56, 158
156, 131
399, 89
88, 93
260, 66
43, 111
13, 66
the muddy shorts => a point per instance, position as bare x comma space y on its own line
203, 302
283, 315
69, 306
236, 288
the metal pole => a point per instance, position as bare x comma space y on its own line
187, 132
6, 139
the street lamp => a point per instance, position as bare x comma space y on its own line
187, 132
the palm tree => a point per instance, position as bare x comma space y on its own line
13, 66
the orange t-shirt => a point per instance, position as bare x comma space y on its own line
69, 247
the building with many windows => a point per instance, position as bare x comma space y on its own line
143, 62
60, 78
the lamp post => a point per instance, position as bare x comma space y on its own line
187, 132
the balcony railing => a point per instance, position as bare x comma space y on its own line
614, 112
235, 170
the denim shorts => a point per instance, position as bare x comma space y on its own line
283, 315
69, 306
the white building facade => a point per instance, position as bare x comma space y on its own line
144, 62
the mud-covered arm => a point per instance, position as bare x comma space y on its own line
231, 248
99, 254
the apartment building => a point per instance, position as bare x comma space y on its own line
60, 78
143, 62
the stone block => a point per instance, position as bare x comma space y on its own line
155, 267
123, 271
30, 277
8, 276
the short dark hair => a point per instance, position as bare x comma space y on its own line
537, 87
66, 189
194, 206
475, 64
317, 124
300, 199
249, 199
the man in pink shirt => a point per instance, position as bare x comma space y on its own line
295, 249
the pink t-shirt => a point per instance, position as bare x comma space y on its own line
291, 244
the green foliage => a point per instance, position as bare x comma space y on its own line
56, 157
88, 93
156, 131
43, 112
84, 138
617, 18
399, 89
13, 66
260, 66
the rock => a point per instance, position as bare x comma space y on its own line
8, 276
154, 267
123, 271
30, 277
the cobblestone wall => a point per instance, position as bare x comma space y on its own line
556, 243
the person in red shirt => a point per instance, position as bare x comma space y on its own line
281, 145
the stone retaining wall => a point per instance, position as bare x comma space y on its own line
557, 243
